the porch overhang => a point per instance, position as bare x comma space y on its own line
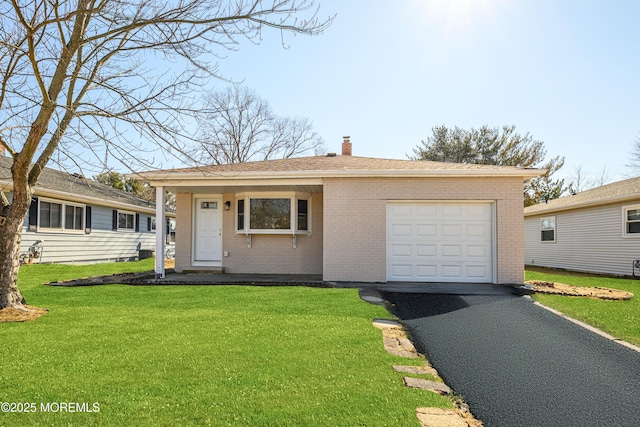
221, 186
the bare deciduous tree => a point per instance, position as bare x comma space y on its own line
238, 126
74, 71
634, 157
583, 180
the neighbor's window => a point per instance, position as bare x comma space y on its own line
126, 221
632, 220
285, 212
73, 217
60, 216
548, 229
50, 215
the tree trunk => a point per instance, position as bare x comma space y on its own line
10, 235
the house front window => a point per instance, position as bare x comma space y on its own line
270, 214
548, 229
273, 213
303, 214
632, 221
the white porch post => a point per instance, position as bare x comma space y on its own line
160, 232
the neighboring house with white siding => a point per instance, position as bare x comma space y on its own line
594, 231
349, 218
80, 220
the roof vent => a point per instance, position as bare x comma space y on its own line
331, 154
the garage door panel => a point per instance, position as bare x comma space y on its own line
478, 230
451, 251
452, 271
451, 230
440, 241
452, 211
477, 271
426, 230
425, 211
426, 250
399, 250
402, 271
426, 271
478, 251
401, 230
400, 210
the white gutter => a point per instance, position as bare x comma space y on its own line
181, 177
601, 202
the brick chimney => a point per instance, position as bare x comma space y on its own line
346, 146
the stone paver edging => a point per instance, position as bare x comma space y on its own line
396, 342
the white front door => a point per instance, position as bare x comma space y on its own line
207, 230
440, 242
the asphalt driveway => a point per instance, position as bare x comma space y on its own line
517, 364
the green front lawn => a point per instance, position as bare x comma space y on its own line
201, 355
618, 318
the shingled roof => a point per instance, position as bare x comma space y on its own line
53, 182
621, 191
336, 165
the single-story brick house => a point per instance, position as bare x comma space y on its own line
350, 218
595, 231
79, 220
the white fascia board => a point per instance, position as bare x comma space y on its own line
164, 178
231, 182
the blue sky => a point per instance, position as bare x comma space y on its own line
385, 73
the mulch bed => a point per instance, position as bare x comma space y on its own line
553, 288
15, 315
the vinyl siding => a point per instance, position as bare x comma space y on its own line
589, 240
102, 244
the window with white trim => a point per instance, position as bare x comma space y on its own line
55, 215
273, 213
126, 221
73, 217
50, 215
632, 220
548, 229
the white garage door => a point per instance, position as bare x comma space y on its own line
440, 242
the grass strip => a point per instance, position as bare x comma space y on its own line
618, 318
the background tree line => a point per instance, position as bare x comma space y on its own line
496, 146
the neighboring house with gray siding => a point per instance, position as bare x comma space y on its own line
82, 221
594, 231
